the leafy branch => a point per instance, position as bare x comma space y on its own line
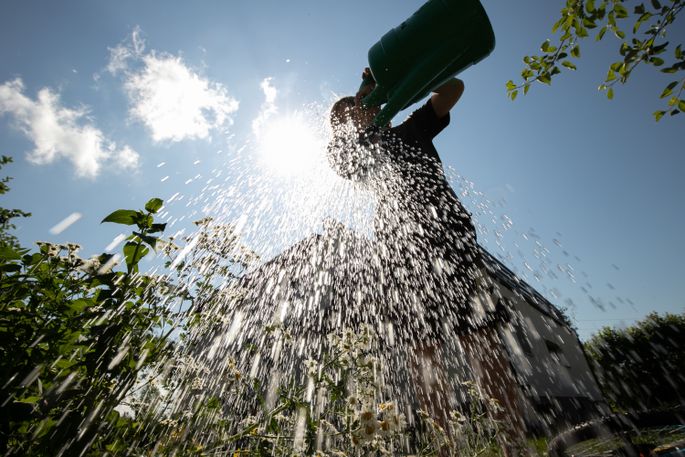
647, 47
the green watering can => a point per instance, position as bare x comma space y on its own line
439, 40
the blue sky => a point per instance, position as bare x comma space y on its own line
89, 109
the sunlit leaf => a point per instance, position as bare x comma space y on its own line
154, 205
121, 216
568, 64
544, 78
668, 90
621, 11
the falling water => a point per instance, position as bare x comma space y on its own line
325, 299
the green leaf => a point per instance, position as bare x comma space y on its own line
681, 105
10, 268
568, 64
513, 95
656, 4
678, 52
590, 6
150, 240
575, 51
657, 61
621, 11
144, 221
122, 216
79, 305
9, 253
154, 205
620, 34
639, 22
133, 252
511, 85
610, 93
601, 33
29, 400
157, 228
659, 48
545, 78
545, 46
611, 75
526, 88
668, 90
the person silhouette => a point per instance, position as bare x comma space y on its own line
427, 249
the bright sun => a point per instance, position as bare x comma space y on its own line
289, 145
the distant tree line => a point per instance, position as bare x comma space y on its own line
642, 366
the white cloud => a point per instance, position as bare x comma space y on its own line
127, 158
60, 132
268, 108
174, 102
120, 55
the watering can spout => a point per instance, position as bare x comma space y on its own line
440, 40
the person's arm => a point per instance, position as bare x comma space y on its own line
446, 96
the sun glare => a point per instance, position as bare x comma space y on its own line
289, 145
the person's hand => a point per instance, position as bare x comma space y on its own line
368, 85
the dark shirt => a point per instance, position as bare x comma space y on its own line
417, 199
425, 246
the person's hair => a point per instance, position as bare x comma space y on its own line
337, 110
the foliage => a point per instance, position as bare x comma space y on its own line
641, 367
74, 334
98, 358
335, 411
6, 215
644, 43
